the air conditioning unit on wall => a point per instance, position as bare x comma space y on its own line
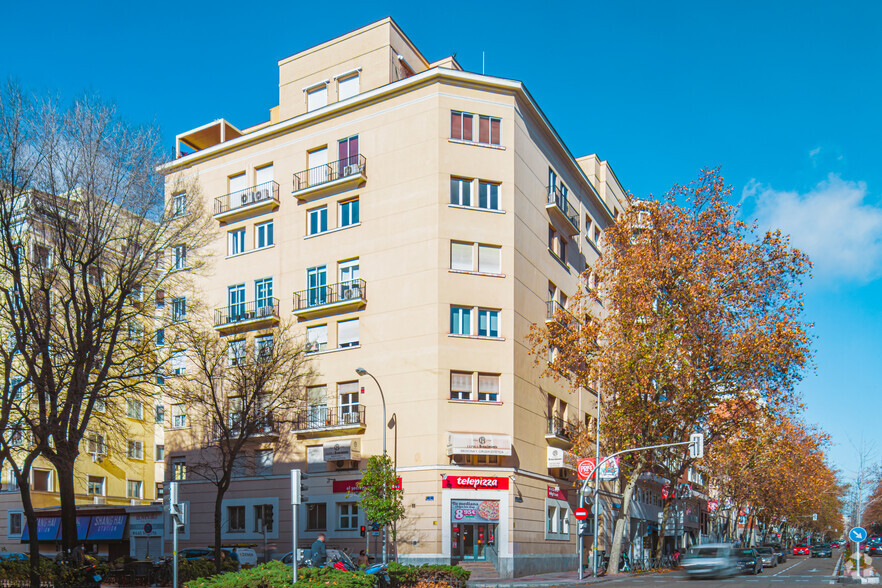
351, 170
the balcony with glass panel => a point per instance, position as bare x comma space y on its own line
330, 299
323, 421
242, 316
248, 202
330, 177
561, 212
559, 433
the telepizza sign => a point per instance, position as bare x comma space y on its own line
475, 483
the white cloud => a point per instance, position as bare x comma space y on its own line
832, 223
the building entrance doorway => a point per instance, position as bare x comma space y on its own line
470, 541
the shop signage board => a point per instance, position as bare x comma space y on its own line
713, 505
343, 449
351, 486
608, 471
145, 524
47, 529
556, 492
478, 444
558, 458
475, 483
107, 528
475, 511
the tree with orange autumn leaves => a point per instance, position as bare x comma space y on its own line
688, 310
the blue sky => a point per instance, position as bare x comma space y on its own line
784, 96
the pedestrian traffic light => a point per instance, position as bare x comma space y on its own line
363, 530
268, 516
298, 490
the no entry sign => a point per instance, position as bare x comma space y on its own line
581, 514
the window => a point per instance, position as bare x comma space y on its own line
460, 386
461, 255
264, 234
134, 409
263, 513
347, 402
236, 352
461, 191
562, 248
317, 164
178, 363
347, 87
488, 195
460, 320
134, 488
15, 524
316, 338
263, 294
179, 204
316, 516
96, 444
489, 259
557, 519
552, 237
317, 220
347, 333
348, 272
160, 336
349, 213
316, 97
263, 462
347, 149
95, 276
42, 480
488, 323
179, 257
462, 128
179, 415
159, 413
159, 453
42, 256
136, 450
348, 515
236, 518
160, 298
160, 491
235, 302
488, 388
179, 468
239, 466
317, 285
317, 405
178, 309
263, 347
236, 242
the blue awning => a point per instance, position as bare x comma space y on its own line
107, 527
47, 529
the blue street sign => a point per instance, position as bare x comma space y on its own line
858, 534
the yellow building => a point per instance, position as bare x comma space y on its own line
415, 219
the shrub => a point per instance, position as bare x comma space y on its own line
275, 574
407, 576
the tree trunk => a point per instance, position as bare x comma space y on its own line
64, 468
660, 546
616, 549
33, 540
218, 513
749, 531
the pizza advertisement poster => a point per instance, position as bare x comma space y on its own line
475, 511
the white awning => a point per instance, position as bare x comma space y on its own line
478, 444
342, 449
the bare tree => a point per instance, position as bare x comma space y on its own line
238, 394
88, 247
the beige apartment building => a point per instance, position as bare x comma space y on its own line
415, 219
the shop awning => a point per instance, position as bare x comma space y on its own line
478, 444
48, 529
107, 527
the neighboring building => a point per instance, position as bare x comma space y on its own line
416, 219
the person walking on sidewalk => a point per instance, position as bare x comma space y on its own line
319, 554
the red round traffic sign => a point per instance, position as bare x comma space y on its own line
581, 514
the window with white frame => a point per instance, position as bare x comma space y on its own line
263, 293
135, 409
316, 97
348, 518
263, 234
134, 489
263, 347
347, 402
462, 256
347, 333
347, 87
15, 523
178, 468
557, 519
179, 257
179, 416
159, 453
489, 259
178, 363
461, 191
136, 450
317, 220
460, 320
178, 309
348, 213
236, 519
179, 204
470, 257
96, 444
488, 387
488, 195
462, 128
316, 338
460, 385
488, 323
263, 462
236, 242
236, 352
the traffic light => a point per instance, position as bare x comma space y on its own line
696, 445
363, 531
297, 487
268, 516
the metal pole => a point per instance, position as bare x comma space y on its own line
294, 541
595, 506
174, 523
364, 372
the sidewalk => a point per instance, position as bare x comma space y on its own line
552, 579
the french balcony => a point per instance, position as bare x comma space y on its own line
247, 315
244, 203
560, 211
321, 421
558, 433
330, 299
330, 178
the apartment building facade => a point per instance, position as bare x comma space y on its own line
414, 220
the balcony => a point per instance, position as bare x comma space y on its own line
263, 430
321, 421
244, 203
247, 315
330, 177
559, 210
558, 433
556, 313
330, 299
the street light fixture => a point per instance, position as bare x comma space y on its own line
363, 372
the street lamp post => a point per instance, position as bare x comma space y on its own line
363, 372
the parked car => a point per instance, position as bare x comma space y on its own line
875, 549
749, 561
801, 549
769, 557
779, 549
13, 556
710, 560
821, 550
195, 553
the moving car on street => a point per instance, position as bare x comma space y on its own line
749, 561
778, 549
711, 560
821, 550
801, 549
769, 557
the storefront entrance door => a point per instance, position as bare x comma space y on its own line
470, 541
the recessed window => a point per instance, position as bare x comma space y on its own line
489, 259
263, 462
349, 213
42, 480
461, 191
179, 205
179, 257
462, 128
348, 515
236, 352
159, 413
136, 450
263, 234
316, 97
347, 333
488, 323
178, 309
134, 409
488, 195
460, 320
316, 338
236, 518
488, 387
159, 454
316, 516
179, 468
15, 524
317, 220
347, 87
461, 125
95, 485
236, 242
460, 385
134, 489
463, 257
179, 415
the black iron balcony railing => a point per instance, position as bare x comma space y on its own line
243, 198
351, 290
322, 174
241, 312
559, 428
556, 197
322, 417
264, 426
